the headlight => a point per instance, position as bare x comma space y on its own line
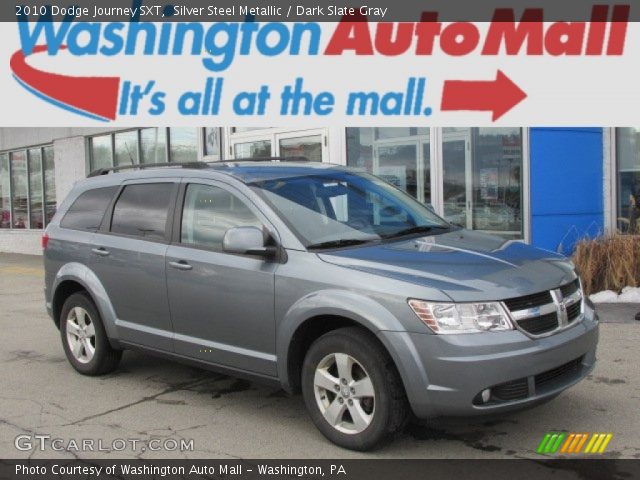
447, 318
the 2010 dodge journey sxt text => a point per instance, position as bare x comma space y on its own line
323, 279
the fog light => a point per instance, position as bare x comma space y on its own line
485, 395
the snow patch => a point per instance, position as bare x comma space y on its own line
628, 295
606, 296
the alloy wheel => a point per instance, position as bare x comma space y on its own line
81, 335
344, 393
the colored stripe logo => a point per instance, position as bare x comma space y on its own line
573, 443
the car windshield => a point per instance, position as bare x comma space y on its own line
341, 208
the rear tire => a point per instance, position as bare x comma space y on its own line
84, 339
352, 390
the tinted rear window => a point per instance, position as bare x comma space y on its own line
87, 211
141, 211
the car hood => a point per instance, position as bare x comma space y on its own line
463, 264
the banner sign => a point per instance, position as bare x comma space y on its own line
91, 64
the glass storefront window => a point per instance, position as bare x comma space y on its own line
126, 148
628, 161
482, 179
183, 143
35, 188
5, 192
454, 152
153, 144
388, 133
258, 149
49, 185
309, 147
101, 152
27, 188
399, 155
396, 163
19, 190
213, 143
479, 170
121, 148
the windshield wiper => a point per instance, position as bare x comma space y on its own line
343, 242
415, 229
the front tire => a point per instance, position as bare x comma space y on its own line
352, 390
84, 339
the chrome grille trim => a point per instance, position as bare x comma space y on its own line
533, 312
559, 305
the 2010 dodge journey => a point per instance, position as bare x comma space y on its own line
321, 279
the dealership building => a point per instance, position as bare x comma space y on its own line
547, 186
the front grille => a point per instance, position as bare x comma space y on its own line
558, 374
539, 325
573, 312
570, 288
542, 312
514, 390
529, 301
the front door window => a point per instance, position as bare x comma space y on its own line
209, 212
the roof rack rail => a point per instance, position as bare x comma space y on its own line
105, 171
265, 159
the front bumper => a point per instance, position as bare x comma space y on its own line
444, 374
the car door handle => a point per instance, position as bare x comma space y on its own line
103, 252
181, 265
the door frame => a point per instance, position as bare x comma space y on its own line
419, 142
468, 173
418, 160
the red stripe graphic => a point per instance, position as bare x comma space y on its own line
95, 95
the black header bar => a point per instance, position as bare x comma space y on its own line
558, 469
309, 10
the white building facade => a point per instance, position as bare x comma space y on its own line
546, 186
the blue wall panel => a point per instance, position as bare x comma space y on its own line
566, 186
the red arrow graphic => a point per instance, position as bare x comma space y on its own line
93, 96
497, 96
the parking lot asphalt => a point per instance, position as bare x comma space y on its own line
152, 399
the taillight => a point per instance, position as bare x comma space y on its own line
44, 241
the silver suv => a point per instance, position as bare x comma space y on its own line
317, 278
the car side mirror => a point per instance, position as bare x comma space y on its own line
247, 241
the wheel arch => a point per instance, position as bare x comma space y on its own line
76, 277
319, 313
64, 290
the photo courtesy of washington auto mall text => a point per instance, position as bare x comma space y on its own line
349, 240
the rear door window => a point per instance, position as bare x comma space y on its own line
142, 211
87, 211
